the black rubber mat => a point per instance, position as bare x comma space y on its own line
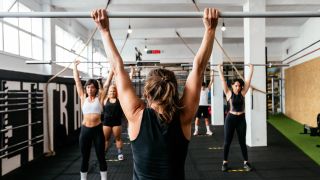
278, 161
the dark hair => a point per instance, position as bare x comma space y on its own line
203, 84
161, 87
240, 81
95, 84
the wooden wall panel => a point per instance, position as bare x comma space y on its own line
302, 92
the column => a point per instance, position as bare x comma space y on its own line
217, 117
254, 53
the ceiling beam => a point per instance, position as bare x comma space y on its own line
231, 32
292, 2
147, 2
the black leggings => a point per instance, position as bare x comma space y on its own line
87, 136
238, 123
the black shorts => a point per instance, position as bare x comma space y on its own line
203, 112
112, 122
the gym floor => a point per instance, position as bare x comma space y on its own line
279, 160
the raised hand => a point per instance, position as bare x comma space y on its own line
101, 19
220, 67
76, 63
210, 18
251, 67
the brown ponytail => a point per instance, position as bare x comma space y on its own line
161, 87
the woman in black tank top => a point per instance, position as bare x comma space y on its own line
161, 129
112, 116
235, 120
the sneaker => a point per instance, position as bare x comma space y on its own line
247, 166
120, 157
209, 133
195, 133
224, 167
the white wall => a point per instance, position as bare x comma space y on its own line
309, 33
13, 62
179, 53
236, 51
68, 72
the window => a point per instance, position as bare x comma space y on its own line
25, 44
68, 47
101, 68
59, 36
59, 53
24, 23
10, 39
1, 37
10, 7
37, 48
5, 5
21, 36
37, 27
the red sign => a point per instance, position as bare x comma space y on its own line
156, 51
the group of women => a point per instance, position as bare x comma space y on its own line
160, 127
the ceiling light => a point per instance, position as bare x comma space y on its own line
223, 28
129, 30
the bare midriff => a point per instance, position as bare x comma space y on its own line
236, 113
91, 120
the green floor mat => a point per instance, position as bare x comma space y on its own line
293, 131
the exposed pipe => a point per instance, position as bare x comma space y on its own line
301, 50
274, 14
269, 65
62, 62
96, 62
303, 55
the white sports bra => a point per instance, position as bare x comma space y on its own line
94, 107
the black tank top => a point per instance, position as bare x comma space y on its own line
160, 150
236, 102
112, 110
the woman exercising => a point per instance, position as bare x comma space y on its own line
161, 129
235, 120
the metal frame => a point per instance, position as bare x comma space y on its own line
280, 91
17, 127
12, 92
20, 104
22, 109
7, 154
22, 98
72, 51
62, 62
268, 65
6, 148
272, 95
96, 62
159, 14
